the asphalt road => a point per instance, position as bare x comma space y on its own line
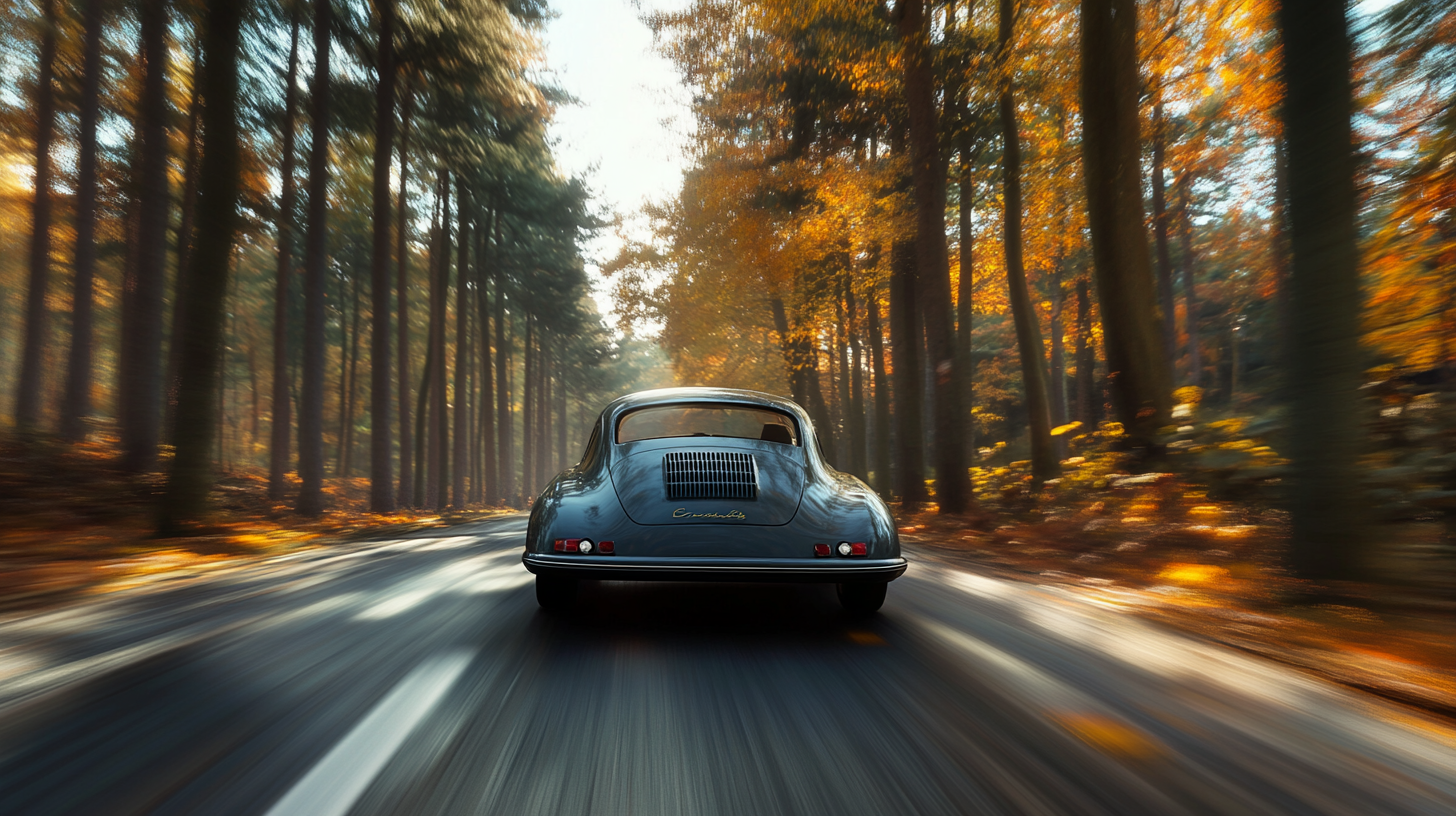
417, 676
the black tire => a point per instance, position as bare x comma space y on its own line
555, 594
861, 599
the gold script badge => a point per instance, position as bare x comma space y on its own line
732, 515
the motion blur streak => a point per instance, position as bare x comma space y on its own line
283, 686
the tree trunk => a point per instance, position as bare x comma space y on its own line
1327, 510
422, 462
1028, 332
76, 404
841, 362
1085, 356
1166, 303
381, 448
1111, 161
858, 459
37, 316
965, 299
506, 486
952, 483
905, 356
461, 433
315, 263
880, 461
438, 482
278, 447
347, 396
562, 457
190, 479
139, 385
185, 238
490, 482
1058, 369
406, 439
544, 404
1190, 299
528, 409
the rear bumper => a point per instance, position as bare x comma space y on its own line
750, 570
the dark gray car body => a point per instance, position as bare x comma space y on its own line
618, 493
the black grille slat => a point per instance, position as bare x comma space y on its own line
710, 475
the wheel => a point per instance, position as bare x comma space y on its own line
555, 594
861, 599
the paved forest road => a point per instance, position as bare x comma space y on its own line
417, 676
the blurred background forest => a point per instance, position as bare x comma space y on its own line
1007, 253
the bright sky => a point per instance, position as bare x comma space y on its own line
628, 131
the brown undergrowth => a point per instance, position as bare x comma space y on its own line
74, 524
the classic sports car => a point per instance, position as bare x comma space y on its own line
709, 484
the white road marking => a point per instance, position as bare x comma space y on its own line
332, 786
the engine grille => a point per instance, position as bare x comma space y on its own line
710, 475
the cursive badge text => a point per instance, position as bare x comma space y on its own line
732, 515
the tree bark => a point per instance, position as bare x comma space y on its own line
881, 455
406, 439
490, 486
350, 393
139, 386
315, 262
1085, 356
965, 298
1058, 368
1190, 297
1327, 510
190, 479
185, 238
76, 404
1028, 333
282, 430
952, 484
528, 409
37, 316
438, 477
461, 433
859, 458
1111, 162
506, 473
905, 348
381, 447
1166, 303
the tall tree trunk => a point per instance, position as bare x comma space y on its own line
1327, 510
381, 447
562, 457
1057, 373
422, 462
190, 479
841, 362
905, 355
1190, 297
37, 317
1028, 332
315, 263
406, 439
1084, 356
528, 409
880, 460
438, 484
1166, 303
185, 239
506, 473
965, 296
1111, 162
952, 482
491, 486
544, 404
350, 394
278, 447
76, 404
859, 459
461, 432
139, 386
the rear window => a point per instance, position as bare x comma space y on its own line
731, 421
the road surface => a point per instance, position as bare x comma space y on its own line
417, 676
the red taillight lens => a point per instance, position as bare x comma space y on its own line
821, 550
606, 547
567, 545
858, 548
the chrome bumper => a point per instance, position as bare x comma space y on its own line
748, 570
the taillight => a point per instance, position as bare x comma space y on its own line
582, 546
821, 550
858, 548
